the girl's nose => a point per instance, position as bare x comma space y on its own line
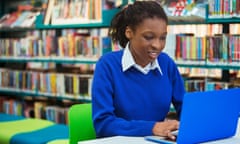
157, 44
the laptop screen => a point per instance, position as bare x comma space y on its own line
209, 116
206, 116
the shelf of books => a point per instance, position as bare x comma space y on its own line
48, 50
35, 108
43, 50
54, 51
223, 11
26, 93
204, 46
204, 79
46, 84
55, 14
104, 22
207, 53
71, 46
219, 51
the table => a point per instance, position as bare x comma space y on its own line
140, 140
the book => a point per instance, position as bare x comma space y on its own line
48, 14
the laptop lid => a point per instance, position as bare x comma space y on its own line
206, 116
209, 116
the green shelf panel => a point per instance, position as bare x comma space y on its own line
73, 61
54, 60
33, 94
211, 66
107, 17
223, 20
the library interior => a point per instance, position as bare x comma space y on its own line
49, 50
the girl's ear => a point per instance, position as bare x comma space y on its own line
128, 32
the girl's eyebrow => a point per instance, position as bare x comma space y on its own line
165, 33
152, 32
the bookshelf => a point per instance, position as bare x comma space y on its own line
227, 65
39, 26
51, 78
106, 15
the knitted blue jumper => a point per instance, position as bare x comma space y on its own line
130, 103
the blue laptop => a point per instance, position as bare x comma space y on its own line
206, 116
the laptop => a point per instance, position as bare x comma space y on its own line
206, 116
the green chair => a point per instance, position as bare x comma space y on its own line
80, 123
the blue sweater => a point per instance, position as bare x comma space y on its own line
130, 103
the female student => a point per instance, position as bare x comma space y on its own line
133, 88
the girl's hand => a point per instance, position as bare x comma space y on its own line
165, 128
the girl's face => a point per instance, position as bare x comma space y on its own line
148, 40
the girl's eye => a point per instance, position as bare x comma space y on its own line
148, 37
163, 38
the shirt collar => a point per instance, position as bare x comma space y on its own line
128, 61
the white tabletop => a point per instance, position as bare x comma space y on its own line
141, 140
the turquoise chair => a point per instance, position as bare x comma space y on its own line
80, 123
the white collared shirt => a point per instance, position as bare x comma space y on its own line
128, 61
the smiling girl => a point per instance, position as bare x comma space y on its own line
133, 88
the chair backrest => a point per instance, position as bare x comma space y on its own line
80, 123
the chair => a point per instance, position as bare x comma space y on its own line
80, 123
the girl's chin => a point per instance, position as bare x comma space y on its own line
152, 58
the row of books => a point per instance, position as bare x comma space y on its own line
47, 83
224, 8
203, 79
56, 12
201, 72
90, 43
71, 45
73, 12
34, 109
53, 113
200, 30
219, 48
203, 85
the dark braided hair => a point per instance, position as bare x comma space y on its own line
132, 16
